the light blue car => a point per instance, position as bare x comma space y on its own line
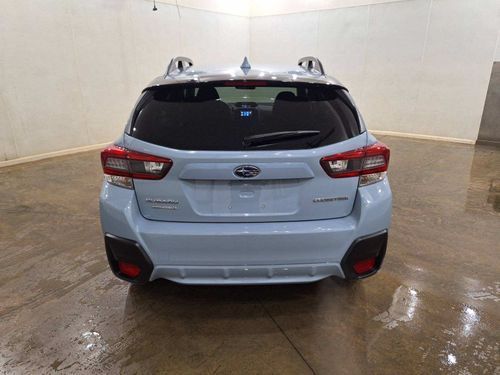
245, 176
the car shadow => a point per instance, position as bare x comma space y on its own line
326, 318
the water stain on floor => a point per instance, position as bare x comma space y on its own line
433, 308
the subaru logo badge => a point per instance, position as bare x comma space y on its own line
246, 171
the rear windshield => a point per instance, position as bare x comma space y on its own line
244, 115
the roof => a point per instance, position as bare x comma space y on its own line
188, 74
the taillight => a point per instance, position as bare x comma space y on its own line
370, 163
120, 166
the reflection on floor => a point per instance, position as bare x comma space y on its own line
484, 178
434, 307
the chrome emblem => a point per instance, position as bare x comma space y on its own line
163, 204
246, 171
329, 199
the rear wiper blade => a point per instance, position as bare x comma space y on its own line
265, 138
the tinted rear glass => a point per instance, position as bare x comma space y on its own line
225, 116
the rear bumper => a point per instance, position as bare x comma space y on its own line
249, 253
120, 249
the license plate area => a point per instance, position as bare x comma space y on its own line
244, 198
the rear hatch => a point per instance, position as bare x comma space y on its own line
245, 151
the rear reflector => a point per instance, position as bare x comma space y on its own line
121, 166
364, 266
129, 269
370, 162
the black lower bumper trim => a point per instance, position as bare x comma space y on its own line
121, 249
371, 246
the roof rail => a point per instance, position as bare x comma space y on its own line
178, 63
312, 64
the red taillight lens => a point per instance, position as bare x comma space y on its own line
364, 266
118, 161
363, 161
129, 269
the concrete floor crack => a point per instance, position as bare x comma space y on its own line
288, 339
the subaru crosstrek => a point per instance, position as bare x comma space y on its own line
245, 176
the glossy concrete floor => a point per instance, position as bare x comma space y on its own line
434, 307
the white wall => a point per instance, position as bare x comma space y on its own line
274, 7
419, 66
71, 70
257, 8
234, 7
497, 49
